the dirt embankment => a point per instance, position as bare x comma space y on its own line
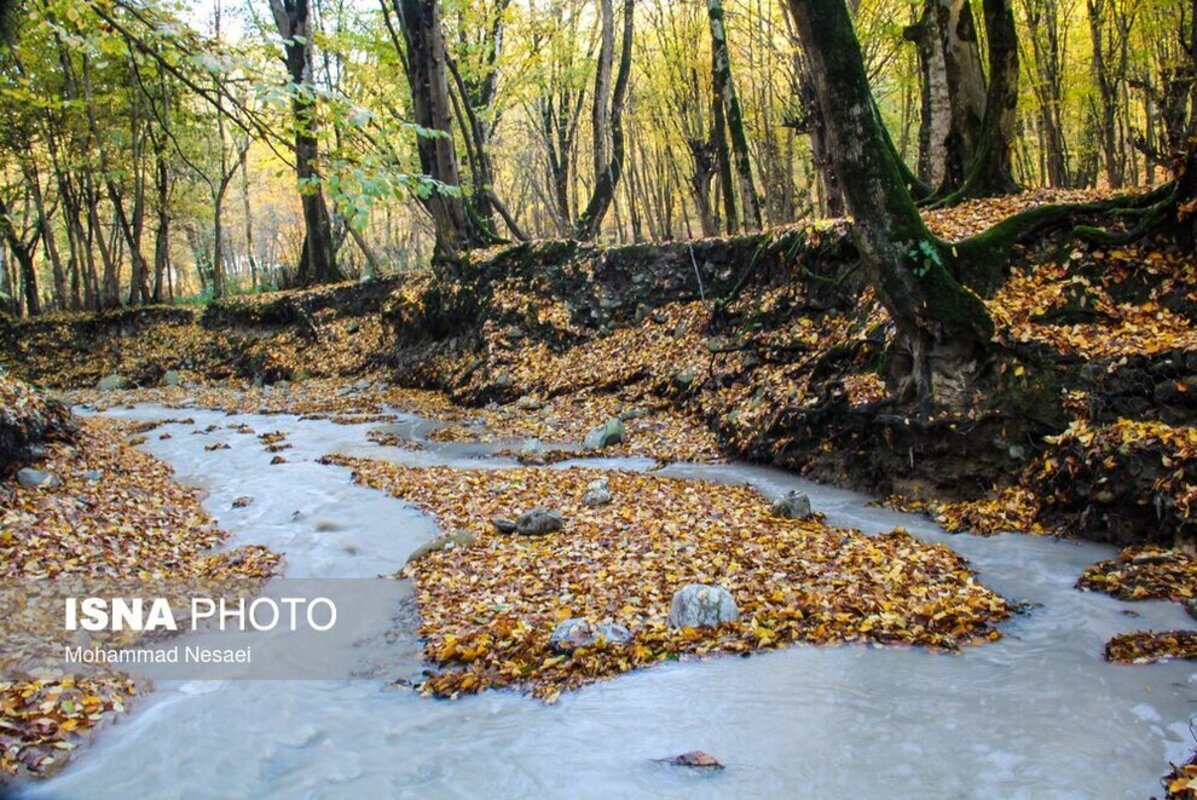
772, 341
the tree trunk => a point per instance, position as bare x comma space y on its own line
587, 226
420, 23
725, 90
991, 172
33, 181
317, 264
943, 325
966, 87
935, 117
23, 253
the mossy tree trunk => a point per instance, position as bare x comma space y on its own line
945, 326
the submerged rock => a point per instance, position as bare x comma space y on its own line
697, 759
699, 605
578, 632
793, 505
598, 493
612, 432
538, 522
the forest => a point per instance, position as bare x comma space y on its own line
568, 349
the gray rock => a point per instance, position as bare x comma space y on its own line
446, 541
37, 477
684, 379
538, 522
92, 475
529, 403
792, 505
504, 525
577, 632
698, 605
1191, 607
362, 385
605, 435
597, 493
353, 328
110, 383
170, 378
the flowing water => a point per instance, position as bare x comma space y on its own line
1037, 714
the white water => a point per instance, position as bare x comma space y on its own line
1038, 714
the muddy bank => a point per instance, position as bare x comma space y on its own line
771, 341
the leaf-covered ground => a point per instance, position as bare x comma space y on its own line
116, 513
488, 609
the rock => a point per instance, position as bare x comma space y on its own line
446, 541
696, 759
660, 317
94, 475
170, 378
633, 413
597, 493
1191, 607
577, 632
345, 391
529, 403
352, 328
362, 385
792, 505
111, 383
37, 477
278, 460
538, 522
532, 453
685, 378
242, 502
504, 381
606, 435
698, 605
504, 525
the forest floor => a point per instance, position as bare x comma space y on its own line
764, 348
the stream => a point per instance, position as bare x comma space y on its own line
1036, 714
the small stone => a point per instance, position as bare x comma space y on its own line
695, 759
111, 383
446, 541
242, 502
352, 328
660, 317
612, 432
698, 605
362, 385
37, 477
94, 475
170, 378
685, 378
792, 505
504, 525
539, 522
577, 632
529, 403
278, 460
597, 493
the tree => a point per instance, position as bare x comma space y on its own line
607, 174
944, 326
725, 92
424, 61
316, 264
